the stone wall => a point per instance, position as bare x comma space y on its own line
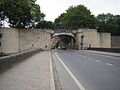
33, 39
9, 40
115, 41
93, 38
105, 40
14, 40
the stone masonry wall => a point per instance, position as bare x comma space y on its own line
34, 39
9, 40
105, 40
93, 38
115, 41
14, 40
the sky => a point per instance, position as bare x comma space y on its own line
53, 8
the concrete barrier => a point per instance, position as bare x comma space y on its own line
9, 61
115, 50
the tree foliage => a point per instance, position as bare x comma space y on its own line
21, 13
45, 25
75, 18
109, 23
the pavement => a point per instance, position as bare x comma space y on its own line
34, 73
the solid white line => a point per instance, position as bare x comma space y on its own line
71, 74
52, 83
109, 64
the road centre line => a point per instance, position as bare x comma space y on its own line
97, 60
80, 86
90, 58
109, 64
84, 56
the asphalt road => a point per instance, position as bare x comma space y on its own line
80, 70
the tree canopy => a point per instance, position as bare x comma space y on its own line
20, 13
45, 25
75, 18
108, 23
27, 14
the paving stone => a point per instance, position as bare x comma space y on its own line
31, 74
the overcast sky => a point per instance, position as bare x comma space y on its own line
53, 8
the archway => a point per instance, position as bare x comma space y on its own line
64, 41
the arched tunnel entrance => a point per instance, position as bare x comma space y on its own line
64, 41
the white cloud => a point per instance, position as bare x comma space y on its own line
53, 8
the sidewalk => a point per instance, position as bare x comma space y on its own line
31, 74
105, 53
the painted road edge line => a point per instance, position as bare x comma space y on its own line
52, 83
80, 86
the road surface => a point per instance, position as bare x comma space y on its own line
80, 70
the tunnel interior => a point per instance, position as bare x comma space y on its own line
64, 42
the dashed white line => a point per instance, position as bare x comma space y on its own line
77, 54
80, 86
90, 58
98, 61
84, 56
109, 64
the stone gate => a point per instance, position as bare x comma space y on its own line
15, 40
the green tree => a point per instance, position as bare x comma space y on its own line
108, 23
45, 25
117, 20
75, 18
21, 13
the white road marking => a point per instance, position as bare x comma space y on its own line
109, 64
71, 74
98, 61
84, 56
90, 58
52, 83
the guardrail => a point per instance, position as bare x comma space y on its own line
115, 50
9, 61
